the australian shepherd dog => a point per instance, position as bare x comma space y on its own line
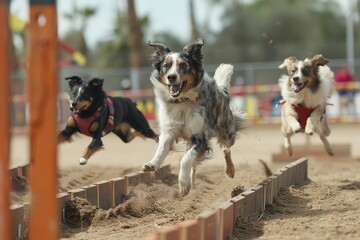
305, 91
192, 106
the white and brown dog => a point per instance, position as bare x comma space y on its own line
192, 106
305, 91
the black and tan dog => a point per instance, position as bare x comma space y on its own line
95, 114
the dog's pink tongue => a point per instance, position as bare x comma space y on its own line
175, 90
296, 87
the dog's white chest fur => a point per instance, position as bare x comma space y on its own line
182, 119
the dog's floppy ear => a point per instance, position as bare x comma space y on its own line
159, 47
158, 55
319, 60
194, 49
74, 80
287, 62
96, 82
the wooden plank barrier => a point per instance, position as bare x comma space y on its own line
218, 224
207, 221
91, 194
104, 194
120, 190
190, 230
62, 199
225, 219
215, 224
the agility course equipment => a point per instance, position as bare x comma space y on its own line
42, 93
210, 224
5, 121
219, 223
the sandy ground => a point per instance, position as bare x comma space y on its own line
325, 207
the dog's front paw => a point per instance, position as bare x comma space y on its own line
184, 186
309, 132
149, 167
296, 128
82, 161
309, 129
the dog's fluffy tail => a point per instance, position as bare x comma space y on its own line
240, 117
223, 76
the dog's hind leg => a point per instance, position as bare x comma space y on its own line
140, 124
125, 133
287, 145
193, 173
230, 169
325, 126
327, 145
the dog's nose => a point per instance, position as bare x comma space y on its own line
171, 78
296, 79
73, 104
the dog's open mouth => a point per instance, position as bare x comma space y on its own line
297, 87
175, 89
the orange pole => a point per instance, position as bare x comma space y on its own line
5, 225
42, 93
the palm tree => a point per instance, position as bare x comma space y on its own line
137, 54
76, 33
194, 31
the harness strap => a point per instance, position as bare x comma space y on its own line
303, 114
110, 108
107, 109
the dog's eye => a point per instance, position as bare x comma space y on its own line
293, 70
305, 71
166, 66
183, 67
83, 96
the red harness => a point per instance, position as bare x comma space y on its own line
84, 124
302, 112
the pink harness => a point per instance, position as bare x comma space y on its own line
84, 123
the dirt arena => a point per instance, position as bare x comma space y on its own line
325, 207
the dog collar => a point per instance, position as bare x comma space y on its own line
182, 100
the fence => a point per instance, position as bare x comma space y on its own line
258, 101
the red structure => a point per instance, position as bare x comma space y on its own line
5, 223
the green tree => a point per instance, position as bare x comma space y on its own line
264, 30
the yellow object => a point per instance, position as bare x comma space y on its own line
79, 58
17, 24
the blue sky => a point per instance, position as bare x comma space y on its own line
165, 15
